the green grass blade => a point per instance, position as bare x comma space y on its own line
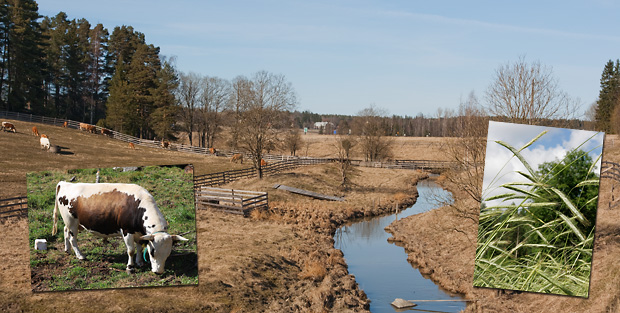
572, 226
571, 206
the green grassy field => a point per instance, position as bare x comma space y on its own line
105, 263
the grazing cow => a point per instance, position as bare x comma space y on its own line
91, 129
83, 126
132, 146
237, 157
35, 131
44, 136
45, 143
212, 150
112, 210
65, 124
263, 162
6, 126
106, 132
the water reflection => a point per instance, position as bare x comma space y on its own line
382, 269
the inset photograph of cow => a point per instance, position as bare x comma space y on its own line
112, 228
537, 216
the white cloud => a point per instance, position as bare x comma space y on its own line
501, 166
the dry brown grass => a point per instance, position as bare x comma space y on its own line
245, 264
324, 146
313, 270
22, 154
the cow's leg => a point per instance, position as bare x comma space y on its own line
67, 237
72, 231
139, 255
131, 251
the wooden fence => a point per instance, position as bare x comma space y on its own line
221, 178
408, 164
611, 170
112, 133
231, 200
15, 206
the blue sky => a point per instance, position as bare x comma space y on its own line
407, 57
500, 165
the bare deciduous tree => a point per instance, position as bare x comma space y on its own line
293, 141
528, 93
188, 98
466, 149
374, 143
214, 98
344, 148
261, 102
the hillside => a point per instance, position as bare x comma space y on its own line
80, 149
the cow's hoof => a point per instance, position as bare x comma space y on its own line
130, 270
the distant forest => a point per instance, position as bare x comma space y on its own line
69, 68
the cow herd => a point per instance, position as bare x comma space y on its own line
45, 143
44, 140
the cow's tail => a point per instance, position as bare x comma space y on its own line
55, 228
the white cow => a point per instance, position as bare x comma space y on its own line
109, 210
45, 143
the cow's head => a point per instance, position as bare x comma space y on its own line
159, 247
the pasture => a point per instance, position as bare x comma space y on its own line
245, 264
80, 149
53, 269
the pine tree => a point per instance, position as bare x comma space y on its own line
98, 72
136, 90
164, 115
117, 105
20, 85
608, 96
142, 75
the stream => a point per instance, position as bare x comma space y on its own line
381, 268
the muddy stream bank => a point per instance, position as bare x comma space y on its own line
381, 268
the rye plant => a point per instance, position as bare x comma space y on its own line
539, 237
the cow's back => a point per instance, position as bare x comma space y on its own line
108, 208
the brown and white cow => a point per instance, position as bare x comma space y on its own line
109, 210
106, 132
83, 126
6, 126
45, 142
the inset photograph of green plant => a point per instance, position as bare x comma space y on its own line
537, 216
112, 228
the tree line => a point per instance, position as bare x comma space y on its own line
69, 68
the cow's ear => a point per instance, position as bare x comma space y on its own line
178, 238
147, 237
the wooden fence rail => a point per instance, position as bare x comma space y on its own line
221, 178
15, 206
611, 170
231, 200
